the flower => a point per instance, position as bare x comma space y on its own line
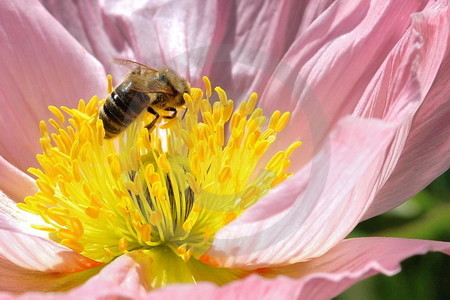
366, 85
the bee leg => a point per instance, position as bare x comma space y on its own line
173, 110
153, 122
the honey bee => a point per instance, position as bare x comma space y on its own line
143, 88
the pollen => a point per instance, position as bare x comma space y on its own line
165, 191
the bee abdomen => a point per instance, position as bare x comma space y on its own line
118, 112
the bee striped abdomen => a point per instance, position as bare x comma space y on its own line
120, 109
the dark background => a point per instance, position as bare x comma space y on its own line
426, 216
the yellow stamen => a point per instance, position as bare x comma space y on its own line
165, 191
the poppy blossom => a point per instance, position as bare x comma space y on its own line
366, 89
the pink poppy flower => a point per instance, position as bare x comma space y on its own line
367, 87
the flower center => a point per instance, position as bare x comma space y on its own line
168, 190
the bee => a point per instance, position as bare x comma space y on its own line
143, 88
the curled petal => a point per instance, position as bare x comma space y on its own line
19, 280
328, 71
323, 278
425, 154
309, 213
40, 254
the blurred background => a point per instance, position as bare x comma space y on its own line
426, 216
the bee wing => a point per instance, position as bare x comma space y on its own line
132, 64
147, 84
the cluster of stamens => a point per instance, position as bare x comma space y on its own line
172, 187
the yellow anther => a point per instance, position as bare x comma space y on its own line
45, 145
145, 230
54, 124
228, 111
251, 103
45, 187
43, 228
75, 150
208, 119
91, 108
222, 95
110, 84
115, 167
65, 137
66, 234
292, 147
81, 105
205, 106
59, 211
77, 227
274, 119
59, 143
92, 212
188, 224
58, 114
266, 134
188, 100
43, 129
276, 161
164, 164
76, 170
119, 193
242, 108
123, 209
193, 184
74, 245
228, 217
184, 253
152, 177
168, 124
225, 173
37, 172
235, 119
261, 147
156, 218
123, 244
282, 122
208, 89
46, 199
96, 200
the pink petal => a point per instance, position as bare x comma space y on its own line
257, 36
122, 277
323, 278
430, 29
353, 260
14, 219
15, 183
325, 73
313, 10
313, 210
236, 43
157, 33
40, 254
425, 155
42, 65
18, 280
